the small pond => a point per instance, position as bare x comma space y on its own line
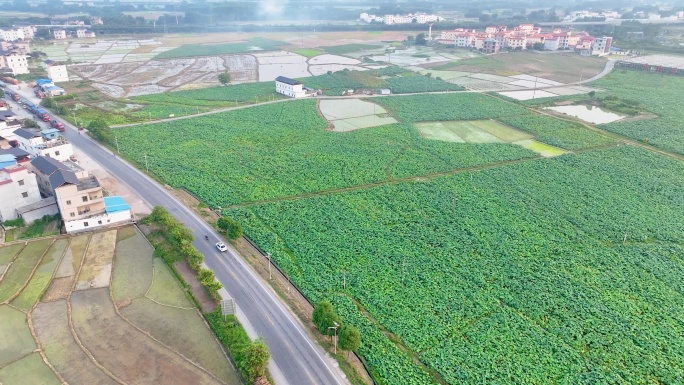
591, 114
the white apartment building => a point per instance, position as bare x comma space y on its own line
29, 31
371, 18
420, 18
15, 61
57, 73
289, 87
514, 42
46, 143
601, 45
11, 34
8, 124
18, 188
81, 33
59, 34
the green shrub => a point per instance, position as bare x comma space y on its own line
19, 222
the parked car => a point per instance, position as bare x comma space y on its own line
221, 246
57, 125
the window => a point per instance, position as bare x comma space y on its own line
68, 202
56, 153
85, 224
72, 214
85, 198
99, 222
21, 182
24, 194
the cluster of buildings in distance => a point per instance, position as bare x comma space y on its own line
420, 18
15, 47
39, 176
526, 36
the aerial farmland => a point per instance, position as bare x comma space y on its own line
477, 225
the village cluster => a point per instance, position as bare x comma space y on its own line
527, 36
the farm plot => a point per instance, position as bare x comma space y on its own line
15, 335
560, 133
517, 274
657, 93
528, 95
7, 255
127, 353
28, 370
164, 289
351, 114
51, 325
132, 275
66, 272
479, 131
20, 270
41, 277
97, 266
281, 63
332, 59
250, 45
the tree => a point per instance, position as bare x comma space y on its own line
223, 223
420, 39
592, 94
485, 18
538, 46
322, 309
224, 78
328, 321
410, 39
2, 93
235, 231
350, 338
232, 228
256, 359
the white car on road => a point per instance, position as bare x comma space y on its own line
221, 246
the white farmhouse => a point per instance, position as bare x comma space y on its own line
14, 61
289, 87
59, 34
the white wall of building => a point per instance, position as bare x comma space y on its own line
294, 91
16, 62
58, 73
97, 221
21, 190
12, 34
59, 34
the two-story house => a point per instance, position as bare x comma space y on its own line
14, 61
289, 87
44, 143
79, 195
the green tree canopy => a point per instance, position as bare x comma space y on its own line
256, 359
350, 338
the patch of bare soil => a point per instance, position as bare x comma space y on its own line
59, 289
208, 305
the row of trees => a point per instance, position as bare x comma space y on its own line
328, 322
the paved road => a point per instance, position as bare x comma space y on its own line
296, 355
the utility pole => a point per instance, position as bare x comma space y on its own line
335, 328
147, 167
344, 279
117, 145
268, 255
